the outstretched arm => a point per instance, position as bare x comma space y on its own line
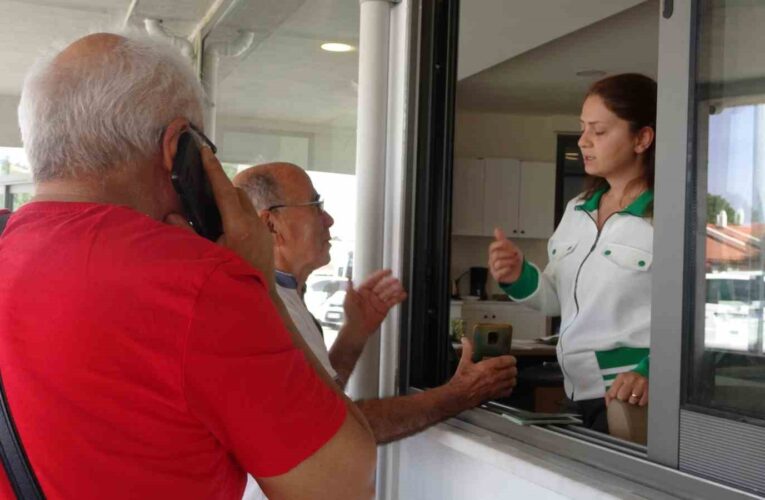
473, 383
365, 308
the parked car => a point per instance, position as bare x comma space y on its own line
331, 312
733, 310
320, 289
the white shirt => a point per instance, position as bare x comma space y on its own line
305, 323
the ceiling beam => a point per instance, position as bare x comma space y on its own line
129, 13
215, 13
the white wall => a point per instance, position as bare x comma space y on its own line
526, 137
332, 147
9, 128
449, 463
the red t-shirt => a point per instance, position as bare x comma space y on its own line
142, 361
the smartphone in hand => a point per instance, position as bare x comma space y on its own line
491, 339
193, 187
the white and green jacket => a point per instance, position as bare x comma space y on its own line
599, 282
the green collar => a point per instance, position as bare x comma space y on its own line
637, 208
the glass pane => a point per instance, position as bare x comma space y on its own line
18, 199
728, 359
14, 174
287, 99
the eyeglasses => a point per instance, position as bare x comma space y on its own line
319, 204
201, 138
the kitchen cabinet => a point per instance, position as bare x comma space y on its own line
515, 195
467, 197
527, 323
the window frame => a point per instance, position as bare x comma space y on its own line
659, 465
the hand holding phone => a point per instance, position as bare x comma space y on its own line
244, 233
491, 339
193, 186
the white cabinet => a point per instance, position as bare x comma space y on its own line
467, 197
527, 323
517, 196
536, 207
501, 187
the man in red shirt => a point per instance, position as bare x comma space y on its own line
139, 359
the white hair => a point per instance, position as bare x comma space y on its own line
86, 118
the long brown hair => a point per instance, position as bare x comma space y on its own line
631, 97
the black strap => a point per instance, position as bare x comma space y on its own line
4, 216
15, 462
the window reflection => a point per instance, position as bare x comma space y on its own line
729, 358
286, 99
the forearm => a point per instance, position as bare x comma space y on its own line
398, 417
535, 289
345, 353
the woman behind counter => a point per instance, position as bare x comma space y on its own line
599, 274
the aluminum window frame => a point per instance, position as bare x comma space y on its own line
659, 466
722, 446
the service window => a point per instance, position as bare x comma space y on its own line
487, 117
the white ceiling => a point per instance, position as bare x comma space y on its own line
286, 77
543, 80
30, 27
493, 31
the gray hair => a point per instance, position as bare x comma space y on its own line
261, 186
88, 118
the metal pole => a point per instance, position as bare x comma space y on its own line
370, 171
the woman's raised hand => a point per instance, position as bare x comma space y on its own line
505, 259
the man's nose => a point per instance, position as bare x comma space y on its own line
328, 220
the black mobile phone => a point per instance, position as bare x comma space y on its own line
194, 189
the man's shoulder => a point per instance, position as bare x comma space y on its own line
123, 235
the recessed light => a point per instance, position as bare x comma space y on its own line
336, 47
591, 73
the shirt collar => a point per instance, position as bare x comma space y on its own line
638, 207
286, 280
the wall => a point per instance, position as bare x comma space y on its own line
525, 137
330, 147
450, 463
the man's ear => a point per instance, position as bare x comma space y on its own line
169, 145
265, 216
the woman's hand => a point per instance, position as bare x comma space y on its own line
630, 387
505, 259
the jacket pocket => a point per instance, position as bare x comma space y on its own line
627, 257
560, 249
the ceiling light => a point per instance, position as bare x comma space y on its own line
591, 73
336, 47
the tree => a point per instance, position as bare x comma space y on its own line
715, 205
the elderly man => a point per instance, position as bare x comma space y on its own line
292, 209
139, 359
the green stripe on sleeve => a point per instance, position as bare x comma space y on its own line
643, 366
621, 356
526, 284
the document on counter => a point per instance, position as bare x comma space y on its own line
523, 417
